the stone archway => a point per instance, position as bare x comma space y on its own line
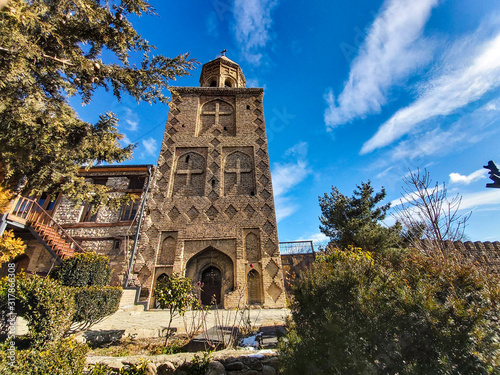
213, 271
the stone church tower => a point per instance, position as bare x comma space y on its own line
211, 214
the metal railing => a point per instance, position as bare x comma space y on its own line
296, 247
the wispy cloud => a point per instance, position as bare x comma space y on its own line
482, 198
453, 137
150, 147
288, 175
125, 140
132, 119
457, 178
211, 24
444, 94
319, 239
470, 201
392, 50
252, 27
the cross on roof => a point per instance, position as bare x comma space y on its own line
217, 113
238, 170
189, 171
223, 52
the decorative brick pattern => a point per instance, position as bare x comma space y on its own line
218, 200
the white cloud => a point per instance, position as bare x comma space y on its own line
254, 82
392, 50
288, 175
131, 119
443, 95
252, 29
125, 140
150, 147
285, 207
318, 239
482, 198
457, 136
457, 178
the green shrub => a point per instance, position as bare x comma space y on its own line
176, 294
47, 306
84, 269
132, 369
93, 304
353, 314
62, 357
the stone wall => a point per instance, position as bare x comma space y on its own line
225, 362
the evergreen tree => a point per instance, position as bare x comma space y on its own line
51, 50
355, 221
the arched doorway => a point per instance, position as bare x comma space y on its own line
211, 285
159, 280
213, 271
21, 262
254, 288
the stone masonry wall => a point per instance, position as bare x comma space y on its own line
198, 205
226, 362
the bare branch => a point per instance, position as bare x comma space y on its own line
427, 214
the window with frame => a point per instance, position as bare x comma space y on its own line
130, 210
88, 215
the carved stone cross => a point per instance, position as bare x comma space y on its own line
238, 170
189, 172
217, 113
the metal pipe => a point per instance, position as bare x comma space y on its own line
136, 238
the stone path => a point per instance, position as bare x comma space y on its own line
153, 323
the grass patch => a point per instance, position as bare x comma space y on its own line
131, 346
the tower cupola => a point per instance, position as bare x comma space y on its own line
222, 72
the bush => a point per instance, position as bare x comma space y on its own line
414, 315
130, 369
84, 269
62, 357
176, 294
93, 304
47, 306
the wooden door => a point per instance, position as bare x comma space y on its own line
211, 285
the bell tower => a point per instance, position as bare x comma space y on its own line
211, 213
222, 72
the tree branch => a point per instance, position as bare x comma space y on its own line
64, 62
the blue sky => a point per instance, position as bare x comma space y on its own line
354, 90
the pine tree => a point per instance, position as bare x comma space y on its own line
51, 50
356, 220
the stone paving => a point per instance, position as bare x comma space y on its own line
153, 323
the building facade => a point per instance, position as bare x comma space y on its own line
211, 213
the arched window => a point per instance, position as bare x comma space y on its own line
217, 114
254, 288
167, 252
252, 247
189, 175
238, 174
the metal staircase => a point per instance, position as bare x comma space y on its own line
27, 213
